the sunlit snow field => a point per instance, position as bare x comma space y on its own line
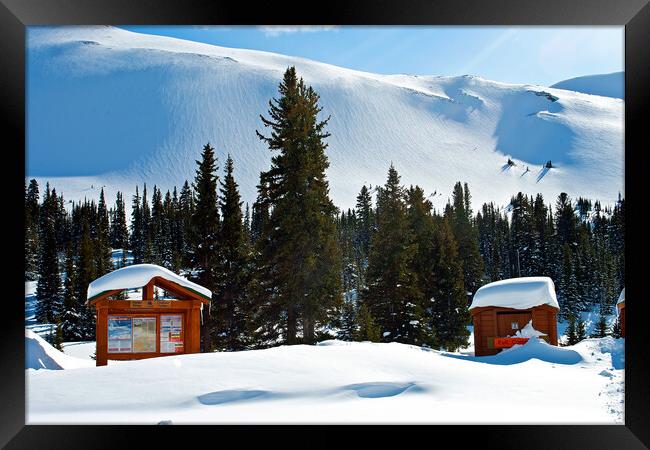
332, 382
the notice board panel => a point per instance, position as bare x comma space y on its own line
171, 334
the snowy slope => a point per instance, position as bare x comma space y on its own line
606, 85
108, 107
340, 382
39, 354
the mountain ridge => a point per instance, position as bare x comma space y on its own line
604, 85
147, 104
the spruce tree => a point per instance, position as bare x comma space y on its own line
205, 218
582, 330
616, 329
565, 220
71, 319
349, 329
187, 236
103, 262
448, 302
119, 229
147, 235
232, 269
568, 284
572, 330
466, 236
422, 226
367, 329
601, 329
48, 287
393, 294
31, 231
85, 274
365, 216
156, 228
136, 244
165, 241
261, 212
298, 242
205, 227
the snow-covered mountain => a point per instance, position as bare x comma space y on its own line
606, 85
108, 107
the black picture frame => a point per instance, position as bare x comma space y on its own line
16, 15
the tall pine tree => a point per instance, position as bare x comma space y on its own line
299, 248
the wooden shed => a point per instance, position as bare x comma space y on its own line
502, 309
620, 308
150, 325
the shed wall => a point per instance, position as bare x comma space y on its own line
486, 326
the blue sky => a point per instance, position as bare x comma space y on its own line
535, 55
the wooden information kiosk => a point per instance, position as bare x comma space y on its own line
146, 327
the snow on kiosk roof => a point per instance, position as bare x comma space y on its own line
517, 293
139, 275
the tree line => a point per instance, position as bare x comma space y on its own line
293, 268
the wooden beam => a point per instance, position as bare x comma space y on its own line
101, 336
147, 290
177, 289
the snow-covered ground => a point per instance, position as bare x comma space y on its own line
333, 382
340, 382
147, 104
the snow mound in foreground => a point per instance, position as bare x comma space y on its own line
39, 354
533, 349
335, 383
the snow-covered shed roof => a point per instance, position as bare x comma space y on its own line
621, 298
517, 293
137, 276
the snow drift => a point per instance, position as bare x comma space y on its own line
340, 382
111, 108
39, 354
533, 349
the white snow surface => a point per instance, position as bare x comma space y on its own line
518, 293
39, 354
621, 298
528, 331
147, 104
341, 382
607, 85
138, 275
